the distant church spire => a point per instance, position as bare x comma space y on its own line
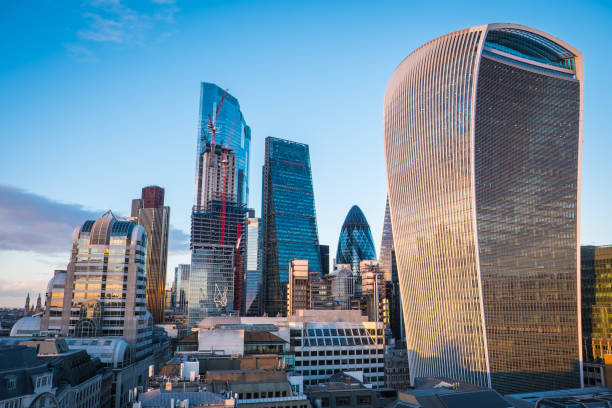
38, 305
26, 310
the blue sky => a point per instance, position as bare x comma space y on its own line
99, 98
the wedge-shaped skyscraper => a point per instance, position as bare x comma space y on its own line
288, 218
482, 142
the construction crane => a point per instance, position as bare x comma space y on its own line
220, 297
225, 161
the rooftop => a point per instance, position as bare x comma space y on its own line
163, 398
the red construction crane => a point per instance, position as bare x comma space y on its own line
225, 161
212, 124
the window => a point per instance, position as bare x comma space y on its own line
11, 383
343, 401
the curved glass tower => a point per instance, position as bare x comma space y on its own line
355, 243
482, 143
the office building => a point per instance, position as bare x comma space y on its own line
231, 132
257, 388
216, 243
343, 286
288, 218
355, 243
596, 288
392, 294
324, 251
386, 244
346, 390
298, 291
397, 372
482, 131
150, 212
218, 219
592, 397
372, 290
253, 282
321, 297
104, 285
320, 342
181, 286
217, 226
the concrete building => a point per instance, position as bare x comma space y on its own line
483, 135
178, 399
593, 397
320, 342
397, 372
56, 377
345, 390
256, 388
150, 212
596, 289
372, 290
298, 290
126, 376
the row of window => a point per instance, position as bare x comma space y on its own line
351, 352
337, 362
337, 370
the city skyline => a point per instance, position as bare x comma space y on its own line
80, 116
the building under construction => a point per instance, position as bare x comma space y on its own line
216, 268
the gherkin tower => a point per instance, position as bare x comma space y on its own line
355, 243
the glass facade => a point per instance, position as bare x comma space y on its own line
181, 287
253, 280
213, 265
105, 285
232, 132
596, 288
482, 142
355, 243
386, 244
218, 219
289, 219
150, 212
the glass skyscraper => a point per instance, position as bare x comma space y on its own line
482, 142
386, 244
232, 133
288, 218
253, 282
150, 212
355, 243
218, 219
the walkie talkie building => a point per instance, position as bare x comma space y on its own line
483, 132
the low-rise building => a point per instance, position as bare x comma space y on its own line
319, 344
593, 397
397, 373
256, 388
182, 399
345, 390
